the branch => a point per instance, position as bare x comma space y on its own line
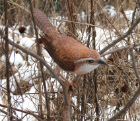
127, 106
39, 66
121, 48
134, 65
94, 81
10, 117
6, 113
17, 5
35, 56
121, 37
26, 112
133, 99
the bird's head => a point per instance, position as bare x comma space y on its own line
90, 62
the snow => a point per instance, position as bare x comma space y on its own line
81, 16
110, 10
26, 69
27, 42
129, 14
16, 59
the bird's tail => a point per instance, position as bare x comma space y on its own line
43, 22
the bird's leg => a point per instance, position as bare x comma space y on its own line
75, 81
73, 84
70, 85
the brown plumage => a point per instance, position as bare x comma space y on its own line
67, 52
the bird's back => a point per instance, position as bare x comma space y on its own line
63, 49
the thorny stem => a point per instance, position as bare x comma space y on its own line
91, 29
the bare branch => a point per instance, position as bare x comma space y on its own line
27, 112
39, 65
35, 56
133, 99
127, 106
6, 113
120, 49
121, 37
10, 117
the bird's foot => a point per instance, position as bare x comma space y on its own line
69, 85
72, 86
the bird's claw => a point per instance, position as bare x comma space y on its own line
72, 86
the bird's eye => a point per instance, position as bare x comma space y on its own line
90, 61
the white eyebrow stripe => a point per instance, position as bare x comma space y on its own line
84, 59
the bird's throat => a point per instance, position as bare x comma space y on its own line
85, 68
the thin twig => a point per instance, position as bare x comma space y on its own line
75, 22
133, 99
127, 106
6, 113
26, 112
120, 49
134, 65
121, 37
96, 95
132, 53
19, 6
41, 68
36, 57
39, 65
10, 117
113, 27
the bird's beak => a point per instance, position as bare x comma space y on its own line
101, 61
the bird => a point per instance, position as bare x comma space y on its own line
69, 54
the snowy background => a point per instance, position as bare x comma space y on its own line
25, 67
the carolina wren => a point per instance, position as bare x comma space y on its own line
67, 52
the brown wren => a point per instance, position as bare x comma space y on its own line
68, 53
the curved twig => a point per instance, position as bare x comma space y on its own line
121, 37
35, 56
121, 48
127, 106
